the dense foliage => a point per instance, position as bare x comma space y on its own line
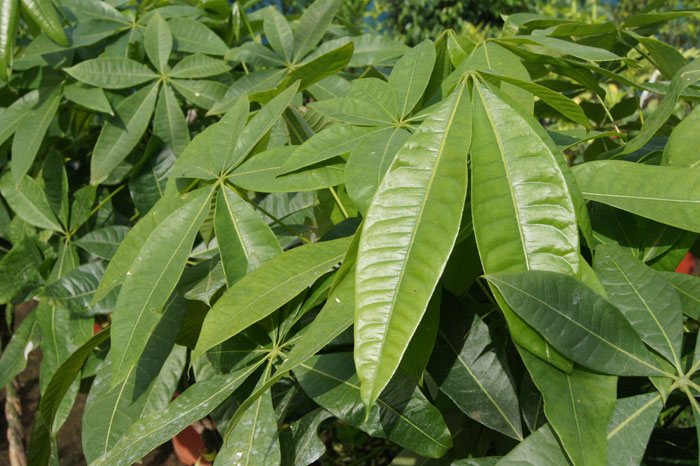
465, 248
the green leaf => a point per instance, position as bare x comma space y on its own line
153, 429
317, 68
158, 42
371, 102
259, 293
259, 125
683, 136
169, 123
578, 406
103, 242
20, 269
150, 182
685, 77
28, 200
30, 133
577, 321
198, 66
121, 133
111, 72
14, 356
524, 218
158, 266
255, 440
425, 187
688, 289
559, 102
669, 195
211, 151
76, 288
308, 447
11, 116
312, 26
644, 297
541, 448
56, 185
411, 74
194, 37
630, 428
401, 414
200, 92
92, 98
260, 173
245, 240
331, 142
44, 15
554, 47
9, 12
279, 34
129, 248
474, 375
368, 163
110, 411
375, 49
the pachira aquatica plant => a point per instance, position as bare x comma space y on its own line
466, 249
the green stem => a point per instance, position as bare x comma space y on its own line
339, 202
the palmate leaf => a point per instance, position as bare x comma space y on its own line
259, 293
150, 280
518, 225
408, 233
577, 321
666, 194
645, 298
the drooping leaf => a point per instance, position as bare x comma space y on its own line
261, 292
666, 194
150, 280
407, 236
577, 321
645, 298
121, 134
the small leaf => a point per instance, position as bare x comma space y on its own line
158, 42
121, 133
30, 133
410, 76
111, 72
14, 356
28, 200
245, 241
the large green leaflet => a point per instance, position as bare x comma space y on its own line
268, 287
150, 280
407, 236
577, 321
646, 299
524, 218
667, 194
631, 426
